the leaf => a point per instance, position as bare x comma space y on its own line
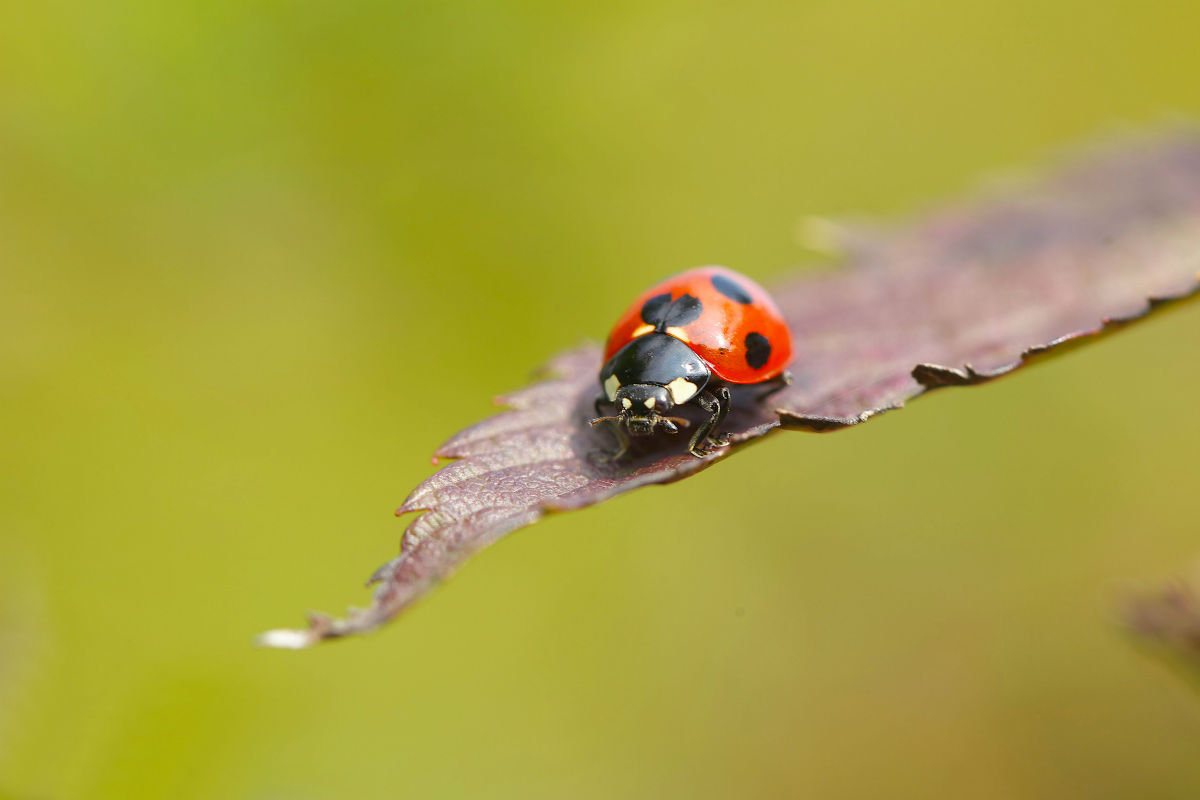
963, 297
1169, 618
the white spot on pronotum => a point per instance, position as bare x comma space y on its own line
681, 390
610, 387
626, 402
680, 334
649, 402
642, 330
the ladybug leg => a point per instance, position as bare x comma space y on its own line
781, 381
622, 445
618, 433
717, 404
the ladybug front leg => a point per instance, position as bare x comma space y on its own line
618, 433
717, 404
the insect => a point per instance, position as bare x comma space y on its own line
687, 340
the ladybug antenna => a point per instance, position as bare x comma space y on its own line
598, 420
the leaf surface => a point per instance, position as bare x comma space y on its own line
959, 298
1167, 622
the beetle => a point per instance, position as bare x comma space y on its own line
686, 340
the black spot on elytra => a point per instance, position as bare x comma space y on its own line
662, 312
758, 350
655, 308
731, 289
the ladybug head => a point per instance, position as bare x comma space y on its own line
642, 408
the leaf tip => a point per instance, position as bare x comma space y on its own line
285, 639
320, 626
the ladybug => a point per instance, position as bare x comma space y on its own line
687, 340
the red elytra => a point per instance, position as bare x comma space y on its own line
735, 310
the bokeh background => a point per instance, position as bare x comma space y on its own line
257, 259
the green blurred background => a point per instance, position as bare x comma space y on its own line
257, 259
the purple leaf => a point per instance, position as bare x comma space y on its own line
1170, 619
965, 296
